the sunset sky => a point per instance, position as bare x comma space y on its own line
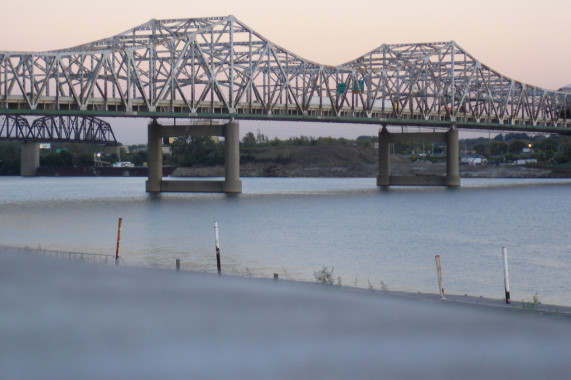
529, 41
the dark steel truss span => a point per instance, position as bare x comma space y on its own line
84, 129
219, 68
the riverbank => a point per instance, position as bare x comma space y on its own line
399, 166
349, 161
322, 161
64, 319
517, 306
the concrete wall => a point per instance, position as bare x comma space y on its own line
29, 158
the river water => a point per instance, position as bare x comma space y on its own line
294, 226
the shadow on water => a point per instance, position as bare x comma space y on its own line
154, 197
232, 196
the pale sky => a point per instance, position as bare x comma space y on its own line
529, 41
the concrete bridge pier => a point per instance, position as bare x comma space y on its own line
29, 158
113, 149
452, 177
231, 182
155, 157
383, 178
452, 158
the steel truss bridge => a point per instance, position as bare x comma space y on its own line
220, 68
83, 129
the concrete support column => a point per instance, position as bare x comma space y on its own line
452, 158
29, 158
384, 158
232, 183
155, 153
113, 149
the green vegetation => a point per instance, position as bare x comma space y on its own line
137, 154
9, 158
548, 150
531, 306
72, 155
382, 286
325, 276
196, 150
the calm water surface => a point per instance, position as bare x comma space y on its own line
295, 226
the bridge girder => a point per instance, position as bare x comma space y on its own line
219, 67
82, 129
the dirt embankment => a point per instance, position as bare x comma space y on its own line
354, 161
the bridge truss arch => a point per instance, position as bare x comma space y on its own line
82, 129
221, 68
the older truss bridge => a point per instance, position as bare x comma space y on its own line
220, 68
79, 129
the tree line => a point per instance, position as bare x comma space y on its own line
206, 151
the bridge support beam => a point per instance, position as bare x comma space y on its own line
452, 158
452, 177
113, 149
231, 182
383, 179
155, 157
29, 158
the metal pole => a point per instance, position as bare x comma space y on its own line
217, 248
506, 275
118, 241
439, 272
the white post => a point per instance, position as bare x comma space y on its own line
506, 275
217, 248
439, 273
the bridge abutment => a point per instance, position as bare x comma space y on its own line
452, 177
29, 158
231, 182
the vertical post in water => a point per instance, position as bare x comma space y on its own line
217, 248
439, 272
118, 241
506, 274
177, 265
